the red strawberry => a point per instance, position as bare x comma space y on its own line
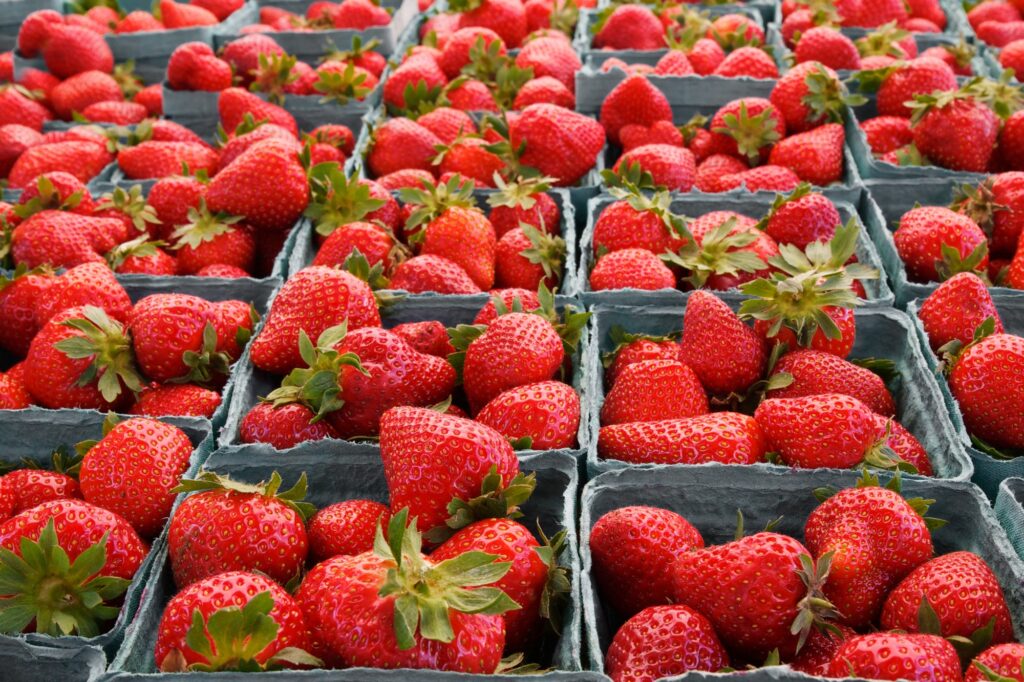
976, 130
71, 50
179, 15
816, 373
670, 166
163, 159
633, 550
815, 156
633, 101
430, 337
802, 218
118, 113
79, 91
174, 337
136, 21
17, 108
225, 599
925, 236
631, 269
803, 109
132, 470
14, 140
283, 427
922, 76
631, 27
222, 9
827, 46
546, 413
273, 541
90, 284
421, 274
978, 381
654, 390
726, 437
193, 66
34, 31
550, 57
550, 148
234, 103
1002, 659
186, 400
209, 240
171, 198
891, 656
711, 331
19, 294
32, 487
346, 528
750, 62
84, 160
64, 239
956, 309
664, 641
400, 144
630, 351
13, 394
887, 133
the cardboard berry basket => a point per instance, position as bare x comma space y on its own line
885, 203
35, 434
709, 497
989, 471
1009, 509
252, 383
308, 45
307, 244
882, 333
335, 475
696, 204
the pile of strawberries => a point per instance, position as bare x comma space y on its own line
862, 596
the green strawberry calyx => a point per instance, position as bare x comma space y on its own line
992, 676
979, 204
814, 610
61, 596
806, 284
140, 247
131, 203
207, 363
547, 251
318, 386
720, 252
231, 639
293, 497
951, 352
357, 265
827, 97
869, 479
432, 201
496, 500
519, 193
338, 199
203, 226
620, 339
47, 198
967, 648
558, 584
273, 74
883, 42
343, 86
880, 455
353, 53
751, 133
105, 343
425, 594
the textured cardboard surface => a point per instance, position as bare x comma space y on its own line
24, 662
881, 333
709, 496
335, 476
1009, 509
696, 204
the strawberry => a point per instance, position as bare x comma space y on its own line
32, 487
56, 190
456, 51
18, 108
208, 240
935, 243
222, 9
976, 130
978, 381
815, 373
343, 596
803, 108
630, 350
399, 144
283, 427
144, 456
746, 127
82, 556
14, 140
274, 544
550, 57
346, 528
137, 21
998, 34
1002, 659
118, 113
234, 103
636, 221
891, 656
186, 400
679, 394
525, 257
631, 27
429, 336
633, 101
994, 205
64, 239
1003, 12
876, 538
163, 159
956, 309
711, 331
816, 156
90, 284
671, 167
84, 160
19, 293
336, 295
179, 15
427, 273
540, 416
660, 132
70, 50
174, 337
922, 76
34, 31
633, 549
631, 269
726, 437
749, 62
717, 581
887, 133
13, 394
801, 218
77, 93
550, 148
664, 641
193, 66
244, 621
727, 251
829, 47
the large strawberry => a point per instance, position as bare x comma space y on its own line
63, 239
346, 528
1006, 660
654, 390
815, 372
633, 549
633, 101
727, 356
232, 526
372, 594
935, 243
561, 144
955, 130
132, 469
664, 641
174, 337
312, 300
893, 656
956, 309
725, 437
544, 415
89, 284
19, 293
231, 621
985, 381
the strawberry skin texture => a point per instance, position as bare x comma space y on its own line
429, 336
18, 300
639, 351
32, 487
183, 400
633, 101
877, 538
524, 583
282, 427
663, 641
63, 239
84, 160
418, 444
162, 159
918, 77
559, 143
843, 318
959, 136
312, 300
346, 528
339, 599
749, 590
132, 470
164, 327
224, 530
713, 332
231, 589
79, 525
548, 412
726, 437
963, 591
428, 272
923, 231
955, 309
516, 349
1003, 659
13, 394
620, 226
466, 237
815, 372
985, 381
892, 656
633, 550
89, 284
654, 390
631, 269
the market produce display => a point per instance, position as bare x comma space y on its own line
581, 339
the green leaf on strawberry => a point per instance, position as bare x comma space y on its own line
494, 502
106, 344
293, 497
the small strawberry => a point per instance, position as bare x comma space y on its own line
816, 156
725, 437
185, 400
1002, 660
283, 427
540, 416
90, 284
630, 27
633, 101
179, 15
346, 528
829, 47
979, 379
664, 641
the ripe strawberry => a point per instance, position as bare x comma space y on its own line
804, 109
546, 414
999, 34
90, 284
664, 641
14, 140
550, 57
84, 160
820, 648
876, 538
30, 488
976, 126
401, 144
34, 31
887, 133
956, 309
816, 373
71, 50
526, 257
222, 9
118, 113
922, 76
63, 239
57, 190
342, 597
426, 273
283, 427
631, 27
135, 22
234, 103
654, 390
827, 46
19, 293
429, 336
273, 542
185, 400
995, 206
978, 381
891, 656
163, 159
802, 218
560, 144
670, 166
81, 560
13, 394
816, 156
633, 550
632, 350
207, 239
77, 93
749, 62
174, 337
842, 318
17, 108
631, 269
193, 66
179, 15
935, 242
346, 528
132, 470
711, 332
633, 101
1002, 659
244, 621
716, 581
725, 437
1003, 12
